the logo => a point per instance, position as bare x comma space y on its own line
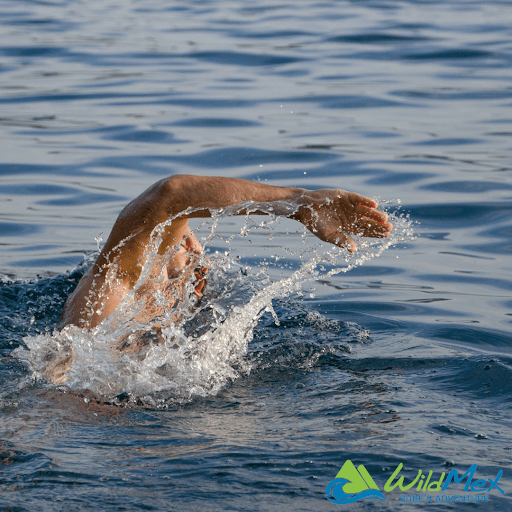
353, 484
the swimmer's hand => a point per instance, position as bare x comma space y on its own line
333, 215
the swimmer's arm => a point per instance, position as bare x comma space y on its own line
331, 214
180, 192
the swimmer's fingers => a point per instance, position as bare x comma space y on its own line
371, 223
361, 219
357, 199
364, 226
341, 240
200, 285
191, 243
370, 213
333, 215
372, 229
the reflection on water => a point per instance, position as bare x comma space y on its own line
402, 359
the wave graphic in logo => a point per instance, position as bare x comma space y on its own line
352, 485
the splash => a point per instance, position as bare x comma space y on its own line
199, 347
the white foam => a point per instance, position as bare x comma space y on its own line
201, 349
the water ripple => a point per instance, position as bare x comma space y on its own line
403, 360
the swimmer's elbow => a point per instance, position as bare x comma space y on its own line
174, 186
173, 193
181, 191
165, 196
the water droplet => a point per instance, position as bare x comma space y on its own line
191, 349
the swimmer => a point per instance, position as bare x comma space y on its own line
331, 214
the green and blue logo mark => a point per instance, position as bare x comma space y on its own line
351, 485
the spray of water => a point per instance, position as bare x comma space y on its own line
199, 347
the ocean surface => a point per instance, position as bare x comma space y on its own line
401, 358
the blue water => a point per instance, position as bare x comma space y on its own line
406, 358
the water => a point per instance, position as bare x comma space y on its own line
402, 359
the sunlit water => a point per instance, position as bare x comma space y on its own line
297, 359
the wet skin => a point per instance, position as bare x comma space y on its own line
333, 215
